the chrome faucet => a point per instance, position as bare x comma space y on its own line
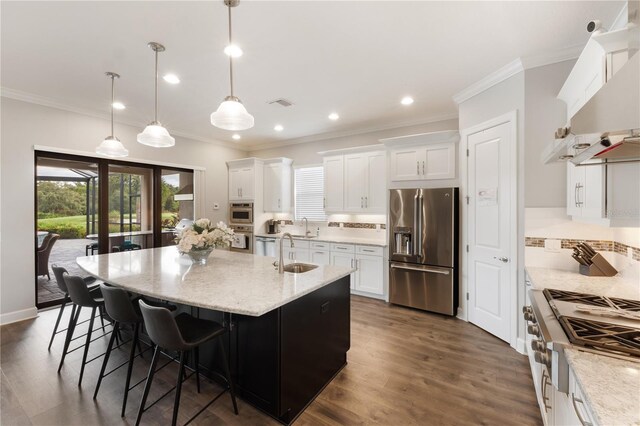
306, 227
281, 261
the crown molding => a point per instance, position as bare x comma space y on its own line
31, 98
347, 133
516, 66
498, 76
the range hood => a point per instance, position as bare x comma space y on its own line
612, 117
607, 126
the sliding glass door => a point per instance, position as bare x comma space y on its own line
137, 206
67, 215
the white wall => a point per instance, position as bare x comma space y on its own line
307, 153
25, 125
544, 184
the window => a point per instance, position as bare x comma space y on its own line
309, 193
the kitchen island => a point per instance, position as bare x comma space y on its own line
288, 333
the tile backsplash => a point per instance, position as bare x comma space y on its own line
600, 245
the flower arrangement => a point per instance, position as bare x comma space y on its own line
202, 235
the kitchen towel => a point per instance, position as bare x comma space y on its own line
239, 241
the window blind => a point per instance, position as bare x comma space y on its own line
309, 193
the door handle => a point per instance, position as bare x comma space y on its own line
419, 239
502, 259
324, 202
361, 202
423, 168
417, 167
366, 202
409, 268
575, 195
578, 198
278, 202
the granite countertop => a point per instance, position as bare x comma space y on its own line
611, 386
573, 281
344, 240
232, 282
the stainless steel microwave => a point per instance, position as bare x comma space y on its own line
241, 213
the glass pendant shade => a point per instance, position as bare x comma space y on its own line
232, 115
156, 136
112, 147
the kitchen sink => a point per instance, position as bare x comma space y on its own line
298, 268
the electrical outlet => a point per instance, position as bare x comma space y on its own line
341, 225
629, 252
551, 245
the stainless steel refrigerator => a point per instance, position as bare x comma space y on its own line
423, 249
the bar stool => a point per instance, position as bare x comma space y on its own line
182, 334
59, 273
124, 311
93, 247
82, 297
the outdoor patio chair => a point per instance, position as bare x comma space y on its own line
43, 254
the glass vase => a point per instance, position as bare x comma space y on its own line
200, 257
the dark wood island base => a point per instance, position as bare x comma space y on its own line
282, 360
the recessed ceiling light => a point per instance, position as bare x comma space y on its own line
171, 78
236, 137
118, 105
233, 50
407, 100
278, 128
333, 116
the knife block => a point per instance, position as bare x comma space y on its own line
599, 267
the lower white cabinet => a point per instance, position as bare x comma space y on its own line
320, 257
370, 274
339, 258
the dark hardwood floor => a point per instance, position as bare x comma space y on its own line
405, 367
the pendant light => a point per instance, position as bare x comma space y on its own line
154, 134
231, 114
111, 146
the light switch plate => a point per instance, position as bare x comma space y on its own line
552, 245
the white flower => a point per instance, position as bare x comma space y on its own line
203, 235
203, 223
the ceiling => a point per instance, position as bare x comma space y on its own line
355, 58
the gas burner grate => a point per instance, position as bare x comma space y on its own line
626, 304
600, 335
570, 296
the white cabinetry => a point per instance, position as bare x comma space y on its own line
319, 252
344, 255
424, 163
365, 182
355, 182
608, 194
585, 191
277, 185
244, 176
334, 183
370, 270
423, 157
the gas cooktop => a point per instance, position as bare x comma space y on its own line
598, 322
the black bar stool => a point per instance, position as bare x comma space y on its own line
124, 311
81, 297
182, 334
59, 273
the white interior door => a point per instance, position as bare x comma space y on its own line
492, 223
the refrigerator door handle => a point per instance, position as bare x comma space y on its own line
420, 214
409, 268
416, 215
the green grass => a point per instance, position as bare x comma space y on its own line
70, 227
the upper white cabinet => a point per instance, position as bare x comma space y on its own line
585, 191
608, 194
423, 163
277, 185
422, 157
365, 182
243, 179
334, 183
355, 182
586, 78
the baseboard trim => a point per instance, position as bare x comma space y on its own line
16, 316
